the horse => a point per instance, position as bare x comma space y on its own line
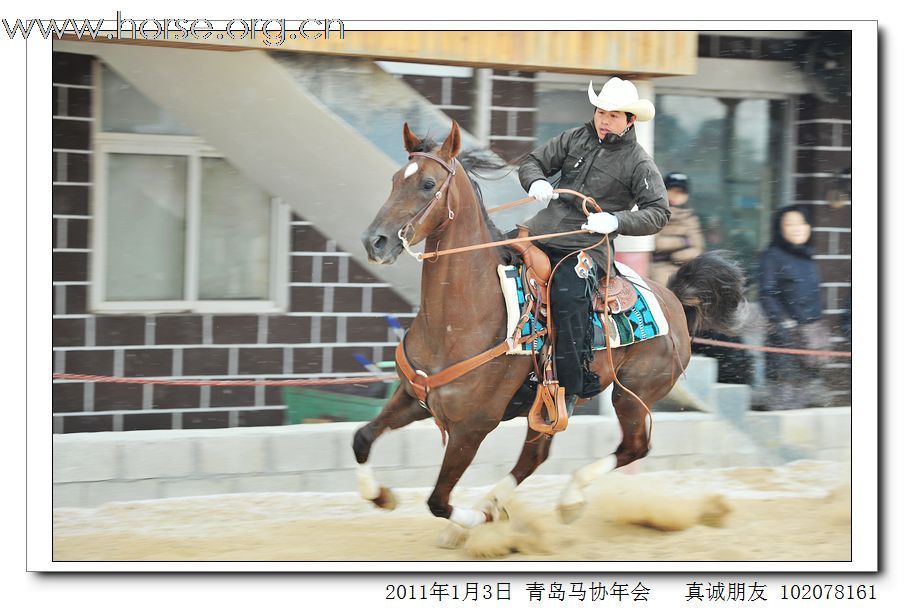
434, 200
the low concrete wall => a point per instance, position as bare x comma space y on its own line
93, 468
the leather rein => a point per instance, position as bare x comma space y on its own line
434, 255
421, 382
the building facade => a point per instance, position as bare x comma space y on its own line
173, 258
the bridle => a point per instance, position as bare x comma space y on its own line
409, 228
420, 381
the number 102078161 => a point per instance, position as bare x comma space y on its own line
828, 591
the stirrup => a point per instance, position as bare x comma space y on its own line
551, 397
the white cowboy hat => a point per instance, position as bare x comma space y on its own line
619, 95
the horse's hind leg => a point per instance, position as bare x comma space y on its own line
635, 444
400, 410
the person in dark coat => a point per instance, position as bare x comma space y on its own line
790, 299
601, 159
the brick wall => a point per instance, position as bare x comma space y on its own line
336, 309
821, 162
513, 114
452, 95
822, 165
512, 107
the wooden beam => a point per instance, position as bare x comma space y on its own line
637, 53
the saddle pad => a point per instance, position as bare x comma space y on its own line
643, 322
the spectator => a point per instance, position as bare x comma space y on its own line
681, 239
789, 296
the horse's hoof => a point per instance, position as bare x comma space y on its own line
386, 499
571, 512
452, 537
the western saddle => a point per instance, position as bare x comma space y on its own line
616, 295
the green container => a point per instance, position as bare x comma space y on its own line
307, 404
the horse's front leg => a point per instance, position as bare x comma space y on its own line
464, 440
400, 410
534, 452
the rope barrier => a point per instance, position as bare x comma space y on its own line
310, 382
771, 349
352, 380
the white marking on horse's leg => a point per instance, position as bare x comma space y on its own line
368, 486
467, 518
573, 493
411, 169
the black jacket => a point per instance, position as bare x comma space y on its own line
789, 278
617, 173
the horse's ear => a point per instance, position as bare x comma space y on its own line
409, 139
452, 146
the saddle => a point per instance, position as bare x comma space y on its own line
616, 295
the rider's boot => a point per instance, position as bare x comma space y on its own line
570, 401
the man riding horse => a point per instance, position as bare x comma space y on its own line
466, 380
603, 160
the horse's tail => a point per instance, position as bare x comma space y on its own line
711, 289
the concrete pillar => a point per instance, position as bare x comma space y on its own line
635, 250
483, 100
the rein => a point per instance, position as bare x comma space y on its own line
420, 381
434, 255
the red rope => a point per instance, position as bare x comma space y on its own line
228, 383
314, 382
771, 349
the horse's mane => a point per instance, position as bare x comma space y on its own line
472, 161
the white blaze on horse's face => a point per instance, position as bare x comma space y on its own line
411, 169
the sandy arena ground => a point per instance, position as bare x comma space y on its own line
797, 512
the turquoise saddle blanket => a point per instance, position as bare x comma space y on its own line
642, 322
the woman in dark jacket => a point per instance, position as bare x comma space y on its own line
789, 296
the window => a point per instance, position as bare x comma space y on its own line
733, 149
177, 227
732, 144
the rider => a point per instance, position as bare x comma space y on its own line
601, 159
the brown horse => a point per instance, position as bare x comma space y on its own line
462, 314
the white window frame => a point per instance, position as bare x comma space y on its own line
195, 150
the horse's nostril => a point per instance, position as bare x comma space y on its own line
378, 243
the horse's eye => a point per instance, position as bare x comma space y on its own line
428, 184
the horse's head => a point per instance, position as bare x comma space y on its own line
418, 205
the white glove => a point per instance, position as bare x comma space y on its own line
542, 191
601, 223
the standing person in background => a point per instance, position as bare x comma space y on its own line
789, 296
679, 242
681, 239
